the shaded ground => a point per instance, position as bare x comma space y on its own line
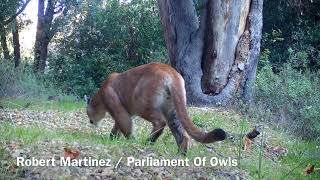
46, 134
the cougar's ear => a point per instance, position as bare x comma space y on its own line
87, 99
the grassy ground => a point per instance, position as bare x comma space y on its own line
263, 161
65, 104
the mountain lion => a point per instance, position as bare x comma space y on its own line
155, 92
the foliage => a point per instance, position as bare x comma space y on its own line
22, 82
7, 9
292, 96
102, 39
288, 72
292, 33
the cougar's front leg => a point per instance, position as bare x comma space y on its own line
123, 123
120, 115
115, 132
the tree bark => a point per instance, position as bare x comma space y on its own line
4, 46
217, 55
16, 44
225, 25
42, 28
46, 28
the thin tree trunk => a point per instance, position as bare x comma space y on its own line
45, 32
43, 56
5, 50
39, 35
16, 44
217, 56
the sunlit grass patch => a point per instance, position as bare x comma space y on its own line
290, 165
65, 104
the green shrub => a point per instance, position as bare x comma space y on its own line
22, 82
83, 76
292, 96
292, 34
105, 39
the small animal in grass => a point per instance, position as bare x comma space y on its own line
249, 137
155, 92
54, 98
310, 169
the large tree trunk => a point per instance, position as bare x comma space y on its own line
44, 33
40, 54
46, 28
218, 54
16, 44
4, 46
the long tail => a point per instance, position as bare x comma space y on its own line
179, 98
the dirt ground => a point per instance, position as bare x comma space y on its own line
78, 122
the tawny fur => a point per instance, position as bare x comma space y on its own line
154, 92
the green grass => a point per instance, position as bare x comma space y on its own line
66, 104
300, 152
32, 135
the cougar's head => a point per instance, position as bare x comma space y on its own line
95, 110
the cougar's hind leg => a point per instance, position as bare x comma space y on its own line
159, 123
178, 132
